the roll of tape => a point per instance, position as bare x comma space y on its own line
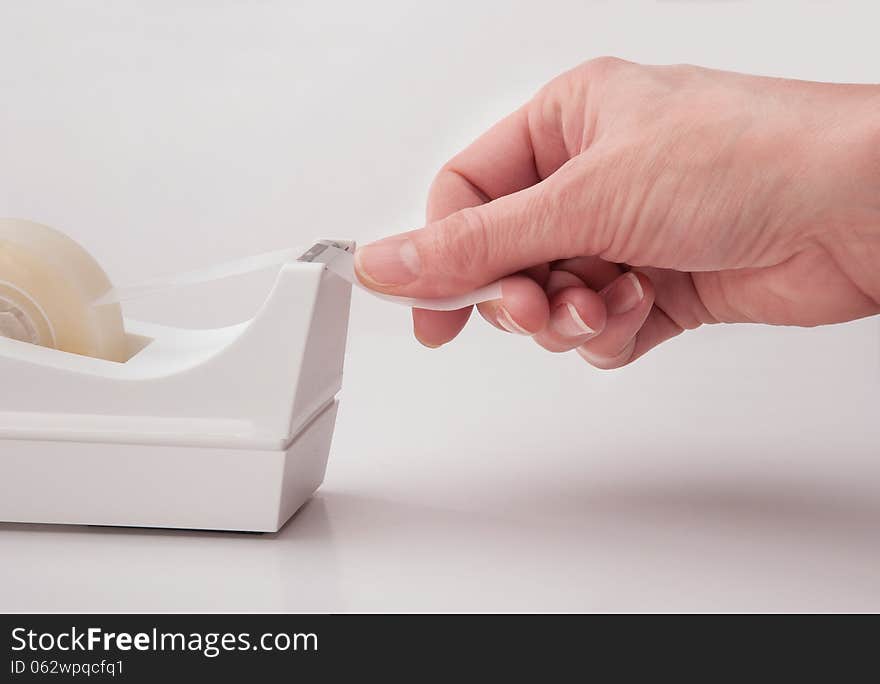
48, 284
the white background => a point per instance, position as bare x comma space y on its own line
734, 469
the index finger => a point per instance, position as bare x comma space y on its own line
500, 162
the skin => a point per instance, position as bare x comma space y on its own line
625, 203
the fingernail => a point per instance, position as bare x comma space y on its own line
505, 321
623, 295
567, 322
394, 261
429, 345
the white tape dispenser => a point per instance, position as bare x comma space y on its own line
128, 423
106, 421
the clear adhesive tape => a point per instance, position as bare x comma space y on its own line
48, 284
342, 264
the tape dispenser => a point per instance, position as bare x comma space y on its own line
111, 421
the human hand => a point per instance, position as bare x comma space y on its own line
626, 203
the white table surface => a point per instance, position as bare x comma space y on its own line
734, 469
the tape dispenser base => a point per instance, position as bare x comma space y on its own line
224, 429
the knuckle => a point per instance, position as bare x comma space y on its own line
538, 216
603, 66
444, 187
461, 245
577, 198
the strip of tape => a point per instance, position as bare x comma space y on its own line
334, 257
341, 263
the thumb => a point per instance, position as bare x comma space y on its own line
471, 247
